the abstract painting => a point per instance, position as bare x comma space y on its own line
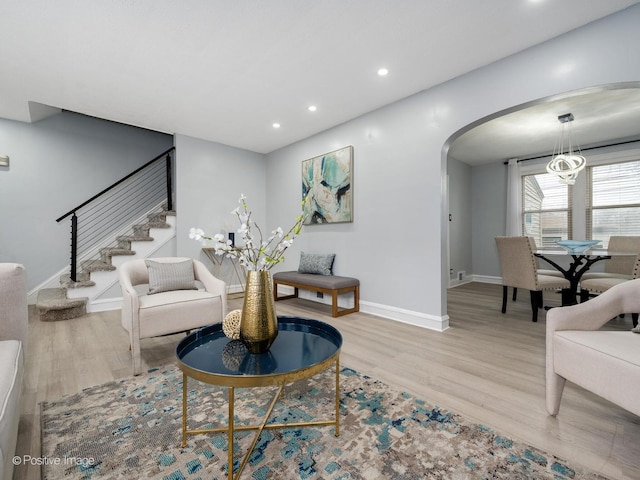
327, 180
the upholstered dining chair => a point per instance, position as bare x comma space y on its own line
552, 272
162, 296
594, 286
519, 270
618, 266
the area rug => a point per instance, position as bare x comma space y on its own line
131, 429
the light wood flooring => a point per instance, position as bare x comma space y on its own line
488, 367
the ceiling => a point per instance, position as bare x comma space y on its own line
602, 116
227, 71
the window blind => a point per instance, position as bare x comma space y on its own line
546, 209
613, 200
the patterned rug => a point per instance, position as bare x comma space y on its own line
131, 429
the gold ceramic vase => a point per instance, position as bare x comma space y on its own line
258, 323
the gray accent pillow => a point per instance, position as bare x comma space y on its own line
165, 277
316, 263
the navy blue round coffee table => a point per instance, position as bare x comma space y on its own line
303, 348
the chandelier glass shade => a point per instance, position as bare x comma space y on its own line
566, 165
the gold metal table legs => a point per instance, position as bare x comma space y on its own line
231, 428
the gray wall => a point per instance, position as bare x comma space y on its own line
397, 245
390, 245
460, 225
209, 180
56, 164
489, 212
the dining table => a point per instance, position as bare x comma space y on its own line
578, 264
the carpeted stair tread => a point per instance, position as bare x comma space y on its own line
157, 217
158, 225
144, 227
83, 279
141, 230
134, 238
116, 251
97, 266
53, 304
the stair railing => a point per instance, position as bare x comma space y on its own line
119, 204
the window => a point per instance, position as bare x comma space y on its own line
546, 214
604, 201
613, 200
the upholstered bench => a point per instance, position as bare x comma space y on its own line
329, 284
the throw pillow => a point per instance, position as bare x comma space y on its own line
316, 263
164, 277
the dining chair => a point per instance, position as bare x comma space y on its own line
541, 271
552, 272
595, 286
618, 266
519, 270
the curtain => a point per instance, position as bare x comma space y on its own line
514, 199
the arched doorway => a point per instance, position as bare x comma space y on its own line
604, 115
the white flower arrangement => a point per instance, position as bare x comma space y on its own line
254, 253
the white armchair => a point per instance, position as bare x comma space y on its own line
606, 363
14, 321
172, 303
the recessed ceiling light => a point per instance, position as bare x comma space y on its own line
276, 125
312, 108
382, 72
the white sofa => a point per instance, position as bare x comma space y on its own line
14, 321
606, 363
176, 308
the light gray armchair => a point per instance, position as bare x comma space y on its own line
606, 363
173, 302
14, 321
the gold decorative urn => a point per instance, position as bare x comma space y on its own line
259, 323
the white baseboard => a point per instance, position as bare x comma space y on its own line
487, 279
410, 317
424, 320
454, 282
418, 319
106, 304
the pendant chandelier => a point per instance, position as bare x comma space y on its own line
566, 165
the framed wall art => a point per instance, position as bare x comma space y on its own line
328, 181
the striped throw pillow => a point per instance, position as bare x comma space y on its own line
165, 277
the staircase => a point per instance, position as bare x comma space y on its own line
96, 275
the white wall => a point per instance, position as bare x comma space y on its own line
56, 164
396, 244
209, 180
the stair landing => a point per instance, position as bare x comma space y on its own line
53, 305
